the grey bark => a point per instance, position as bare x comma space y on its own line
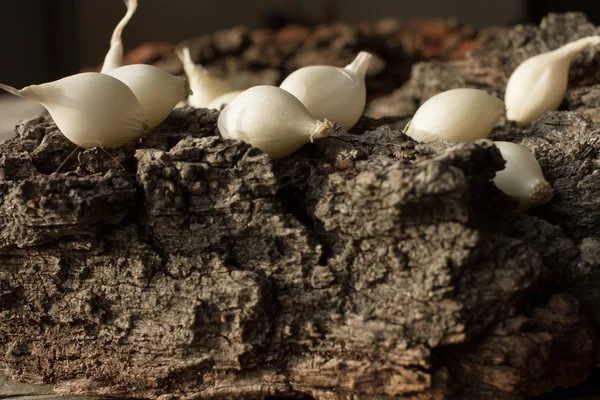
365, 265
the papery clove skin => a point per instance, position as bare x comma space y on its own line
157, 91
539, 83
90, 109
271, 119
223, 100
522, 176
336, 94
205, 87
114, 56
458, 115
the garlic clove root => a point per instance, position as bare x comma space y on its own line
114, 57
205, 87
271, 119
459, 115
522, 176
539, 83
336, 94
223, 100
90, 109
157, 91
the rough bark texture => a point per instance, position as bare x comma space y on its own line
365, 265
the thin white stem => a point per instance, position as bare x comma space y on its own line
67, 159
131, 8
11, 90
191, 69
80, 147
114, 56
570, 50
361, 63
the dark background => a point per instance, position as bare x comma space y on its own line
43, 40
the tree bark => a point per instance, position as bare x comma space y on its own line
365, 265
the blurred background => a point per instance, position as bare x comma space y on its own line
42, 40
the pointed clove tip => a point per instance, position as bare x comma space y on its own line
361, 63
131, 4
365, 55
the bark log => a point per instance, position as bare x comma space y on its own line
365, 265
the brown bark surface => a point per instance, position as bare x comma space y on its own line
365, 265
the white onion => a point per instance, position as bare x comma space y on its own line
459, 115
272, 120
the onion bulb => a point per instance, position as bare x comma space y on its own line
271, 119
459, 115
90, 109
522, 176
157, 91
337, 94
539, 83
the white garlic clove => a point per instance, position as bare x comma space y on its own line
336, 94
157, 91
522, 176
223, 100
205, 87
272, 120
114, 57
90, 109
539, 83
458, 115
